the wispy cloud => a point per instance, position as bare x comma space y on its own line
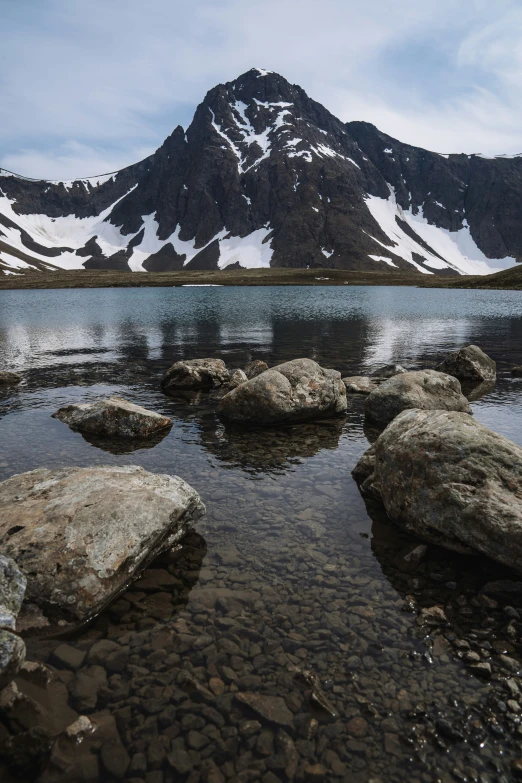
95, 85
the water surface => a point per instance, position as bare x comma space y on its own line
289, 569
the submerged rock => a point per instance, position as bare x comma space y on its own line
113, 417
359, 384
9, 378
423, 389
80, 534
12, 648
237, 377
255, 368
195, 374
516, 371
294, 391
469, 364
451, 481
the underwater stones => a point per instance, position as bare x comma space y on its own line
359, 384
113, 417
254, 368
469, 364
270, 708
9, 378
195, 374
449, 480
422, 389
80, 534
298, 390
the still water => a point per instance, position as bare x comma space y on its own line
289, 570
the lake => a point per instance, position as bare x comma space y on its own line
290, 569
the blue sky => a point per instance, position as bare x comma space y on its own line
88, 86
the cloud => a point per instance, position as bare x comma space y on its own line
93, 84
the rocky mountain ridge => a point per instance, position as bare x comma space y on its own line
265, 176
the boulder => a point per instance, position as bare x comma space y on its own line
113, 417
424, 389
448, 479
359, 384
12, 648
9, 378
12, 590
80, 534
195, 374
516, 371
388, 371
237, 377
469, 364
294, 391
255, 368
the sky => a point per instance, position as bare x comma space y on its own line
89, 86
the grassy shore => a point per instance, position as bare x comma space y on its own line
509, 279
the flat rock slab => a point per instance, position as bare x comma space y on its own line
80, 534
423, 389
195, 374
469, 364
299, 390
270, 708
113, 417
9, 378
359, 384
449, 480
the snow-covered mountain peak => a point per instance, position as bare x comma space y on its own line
264, 175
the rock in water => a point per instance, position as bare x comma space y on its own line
516, 371
255, 368
388, 371
237, 378
9, 378
195, 374
294, 391
113, 417
469, 364
424, 389
12, 648
359, 384
80, 534
449, 480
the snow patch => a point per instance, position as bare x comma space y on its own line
66, 231
457, 248
383, 258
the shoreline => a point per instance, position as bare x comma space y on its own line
506, 279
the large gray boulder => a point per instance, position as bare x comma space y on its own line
9, 378
195, 374
294, 391
449, 480
469, 364
12, 647
425, 389
80, 534
113, 417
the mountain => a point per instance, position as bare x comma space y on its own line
265, 176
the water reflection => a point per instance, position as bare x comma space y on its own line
270, 449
